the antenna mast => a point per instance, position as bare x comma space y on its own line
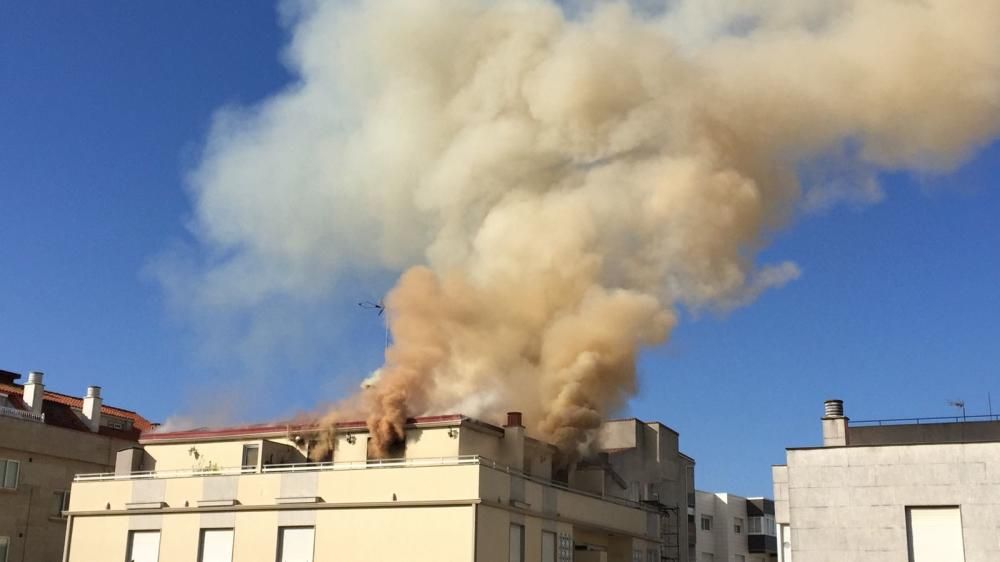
379, 307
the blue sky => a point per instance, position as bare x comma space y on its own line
104, 108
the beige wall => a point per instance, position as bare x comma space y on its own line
49, 457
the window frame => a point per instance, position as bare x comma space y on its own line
5, 542
706, 519
63, 504
281, 540
201, 541
243, 459
738, 525
131, 542
6, 470
555, 545
510, 536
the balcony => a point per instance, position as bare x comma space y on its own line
21, 414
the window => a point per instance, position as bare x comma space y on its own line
706, 523
737, 525
653, 555
143, 546
295, 544
516, 549
250, 455
756, 526
215, 545
60, 503
548, 546
4, 543
8, 474
396, 451
565, 548
934, 534
637, 555
769, 526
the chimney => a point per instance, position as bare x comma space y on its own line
34, 392
834, 424
92, 407
512, 449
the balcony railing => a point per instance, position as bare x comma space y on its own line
272, 468
21, 414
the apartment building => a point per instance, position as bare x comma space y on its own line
733, 528
918, 490
457, 489
45, 439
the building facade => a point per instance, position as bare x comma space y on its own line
45, 439
891, 491
458, 490
732, 528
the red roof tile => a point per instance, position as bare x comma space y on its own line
58, 410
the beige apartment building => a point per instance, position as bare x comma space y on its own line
458, 490
917, 490
733, 528
45, 439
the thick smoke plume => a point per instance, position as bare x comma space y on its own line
556, 180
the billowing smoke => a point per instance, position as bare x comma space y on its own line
556, 180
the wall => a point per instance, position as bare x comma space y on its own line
848, 503
49, 456
966, 432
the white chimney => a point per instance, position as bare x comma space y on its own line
92, 407
34, 392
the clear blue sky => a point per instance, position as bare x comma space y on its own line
104, 107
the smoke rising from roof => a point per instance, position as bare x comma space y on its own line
553, 186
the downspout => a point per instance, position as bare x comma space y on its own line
68, 540
27, 523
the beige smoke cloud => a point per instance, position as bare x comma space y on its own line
556, 185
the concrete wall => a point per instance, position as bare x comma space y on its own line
49, 457
847, 504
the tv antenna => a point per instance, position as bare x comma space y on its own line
958, 404
379, 307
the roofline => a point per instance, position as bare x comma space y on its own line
646, 423
871, 445
282, 429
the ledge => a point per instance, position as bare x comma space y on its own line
215, 503
145, 505
302, 499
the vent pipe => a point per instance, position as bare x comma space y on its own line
92, 408
833, 409
513, 419
34, 392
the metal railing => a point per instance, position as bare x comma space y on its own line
21, 414
178, 473
279, 468
919, 421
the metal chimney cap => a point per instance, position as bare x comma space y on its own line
513, 419
93, 392
35, 377
833, 408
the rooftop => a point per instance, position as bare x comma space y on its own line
60, 410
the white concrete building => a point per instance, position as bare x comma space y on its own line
732, 528
892, 491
